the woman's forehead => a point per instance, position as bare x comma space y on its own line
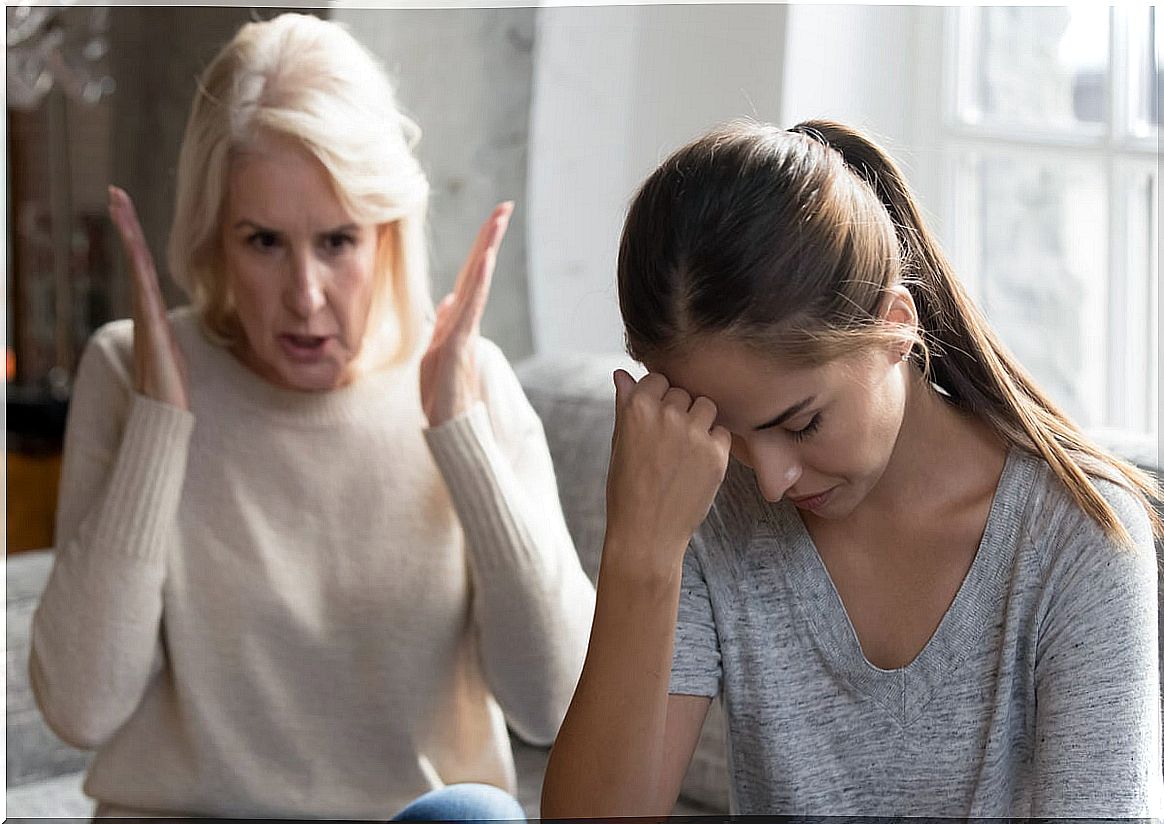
714, 359
749, 387
734, 370
280, 184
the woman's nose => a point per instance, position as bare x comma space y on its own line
777, 468
304, 293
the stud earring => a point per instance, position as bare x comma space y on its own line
905, 355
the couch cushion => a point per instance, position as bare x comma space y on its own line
60, 798
34, 753
573, 394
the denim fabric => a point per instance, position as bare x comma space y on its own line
463, 802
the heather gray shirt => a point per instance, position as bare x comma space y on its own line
1038, 694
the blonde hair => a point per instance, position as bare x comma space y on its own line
309, 80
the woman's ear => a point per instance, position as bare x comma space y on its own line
897, 307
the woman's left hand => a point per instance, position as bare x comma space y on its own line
449, 383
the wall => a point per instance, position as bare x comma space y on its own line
465, 76
877, 68
617, 88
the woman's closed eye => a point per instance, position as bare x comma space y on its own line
807, 430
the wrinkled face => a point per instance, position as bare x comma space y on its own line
300, 268
819, 436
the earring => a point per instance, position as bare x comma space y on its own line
905, 355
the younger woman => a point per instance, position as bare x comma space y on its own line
920, 589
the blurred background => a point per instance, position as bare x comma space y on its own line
1031, 135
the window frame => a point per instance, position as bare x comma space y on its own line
1119, 154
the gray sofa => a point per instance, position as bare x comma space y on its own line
574, 397
43, 774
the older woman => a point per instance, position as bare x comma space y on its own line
307, 565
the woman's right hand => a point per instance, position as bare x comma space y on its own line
625, 743
159, 367
668, 459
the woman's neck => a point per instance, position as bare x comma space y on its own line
943, 458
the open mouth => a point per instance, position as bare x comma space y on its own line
305, 341
302, 347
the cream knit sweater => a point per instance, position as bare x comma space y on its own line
302, 604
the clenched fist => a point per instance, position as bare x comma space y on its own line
668, 459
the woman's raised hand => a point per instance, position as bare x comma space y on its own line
159, 367
449, 383
668, 459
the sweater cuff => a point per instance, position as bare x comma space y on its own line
481, 485
146, 482
464, 438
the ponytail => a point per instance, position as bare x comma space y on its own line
964, 356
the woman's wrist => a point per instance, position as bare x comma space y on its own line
642, 564
459, 416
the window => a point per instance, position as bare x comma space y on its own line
1051, 142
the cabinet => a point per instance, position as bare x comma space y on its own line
32, 499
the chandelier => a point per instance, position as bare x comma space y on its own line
54, 45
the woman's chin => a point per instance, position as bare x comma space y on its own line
319, 376
322, 377
321, 372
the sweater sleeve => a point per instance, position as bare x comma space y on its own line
96, 631
532, 602
1097, 679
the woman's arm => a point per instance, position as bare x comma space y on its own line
532, 602
1097, 679
626, 742
95, 634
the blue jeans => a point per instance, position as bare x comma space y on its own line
463, 802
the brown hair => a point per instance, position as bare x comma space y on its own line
787, 240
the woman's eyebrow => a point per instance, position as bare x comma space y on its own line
244, 224
787, 413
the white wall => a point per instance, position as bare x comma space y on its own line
464, 74
877, 68
616, 89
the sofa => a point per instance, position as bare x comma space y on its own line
575, 398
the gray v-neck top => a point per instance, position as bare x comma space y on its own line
1037, 695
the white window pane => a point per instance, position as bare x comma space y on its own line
1157, 67
1039, 240
1145, 65
1041, 69
1135, 397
